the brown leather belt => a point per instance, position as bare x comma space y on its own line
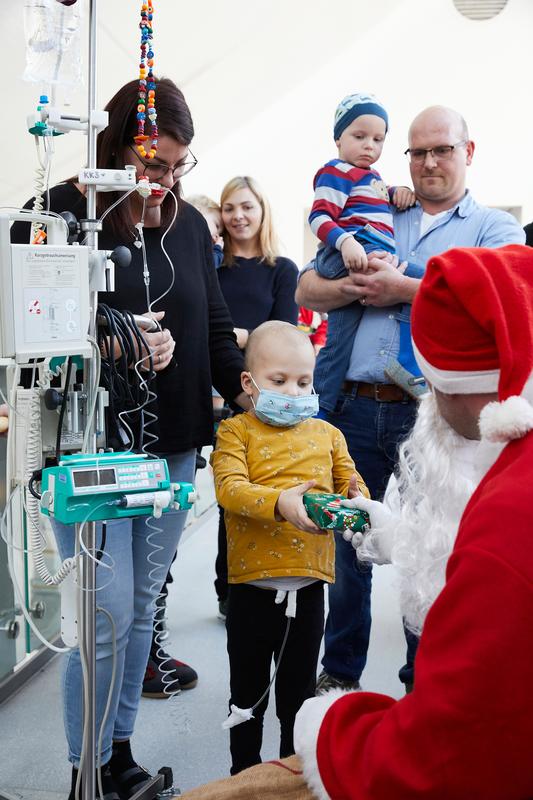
382, 392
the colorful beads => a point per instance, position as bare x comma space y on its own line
146, 99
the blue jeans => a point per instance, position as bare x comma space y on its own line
373, 431
141, 562
407, 672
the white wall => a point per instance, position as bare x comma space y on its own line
263, 81
422, 53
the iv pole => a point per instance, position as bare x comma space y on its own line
160, 784
88, 572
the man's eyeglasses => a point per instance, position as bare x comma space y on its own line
155, 172
441, 153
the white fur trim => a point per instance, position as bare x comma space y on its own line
306, 727
450, 381
510, 419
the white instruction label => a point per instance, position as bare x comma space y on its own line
50, 267
51, 296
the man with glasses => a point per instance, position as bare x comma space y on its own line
373, 412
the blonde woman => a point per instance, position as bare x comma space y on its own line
258, 285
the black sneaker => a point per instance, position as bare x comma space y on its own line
326, 682
165, 676
129, 776
109, 787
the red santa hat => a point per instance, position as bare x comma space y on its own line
472, 328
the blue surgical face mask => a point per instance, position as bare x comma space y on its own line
284, 410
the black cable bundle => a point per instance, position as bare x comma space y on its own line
120, 341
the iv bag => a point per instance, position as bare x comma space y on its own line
52, 33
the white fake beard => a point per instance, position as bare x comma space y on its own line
434, 485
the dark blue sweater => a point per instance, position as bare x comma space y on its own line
255, 292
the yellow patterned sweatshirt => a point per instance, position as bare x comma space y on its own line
253, 462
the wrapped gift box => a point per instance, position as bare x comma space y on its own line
327, 513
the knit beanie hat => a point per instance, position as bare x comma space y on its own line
353, 106
472, 328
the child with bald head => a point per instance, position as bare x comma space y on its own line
278, 560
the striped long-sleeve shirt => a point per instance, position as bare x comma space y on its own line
346, 199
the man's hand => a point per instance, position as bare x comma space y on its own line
403, 198
321, 294
383, 285
161, 345
353, 255
382, 523
290, 507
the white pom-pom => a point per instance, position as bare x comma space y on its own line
510, 419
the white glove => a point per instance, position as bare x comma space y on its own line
382, 524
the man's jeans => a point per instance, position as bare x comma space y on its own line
141, 557
373, 431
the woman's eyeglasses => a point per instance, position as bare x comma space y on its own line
155, 172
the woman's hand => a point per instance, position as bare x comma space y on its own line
290, 507
160, 343
244, 401
242, 337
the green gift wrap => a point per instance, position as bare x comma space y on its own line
327, 513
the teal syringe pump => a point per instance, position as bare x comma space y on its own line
95, 486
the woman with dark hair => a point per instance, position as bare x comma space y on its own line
195, 350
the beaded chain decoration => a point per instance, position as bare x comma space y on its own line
146, 101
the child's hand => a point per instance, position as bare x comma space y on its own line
290, 507
353, 255
353, 488
403, 198
217, 239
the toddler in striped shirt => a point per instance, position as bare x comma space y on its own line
351, 212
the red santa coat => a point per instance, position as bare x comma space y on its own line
466, 731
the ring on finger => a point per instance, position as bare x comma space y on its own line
362, 300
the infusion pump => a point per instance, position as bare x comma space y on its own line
94, 486
44, 294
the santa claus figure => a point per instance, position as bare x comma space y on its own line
458, 525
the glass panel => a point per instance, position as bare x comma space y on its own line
8, 618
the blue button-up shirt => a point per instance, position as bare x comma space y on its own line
466, 225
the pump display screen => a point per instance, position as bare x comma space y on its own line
94, 477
